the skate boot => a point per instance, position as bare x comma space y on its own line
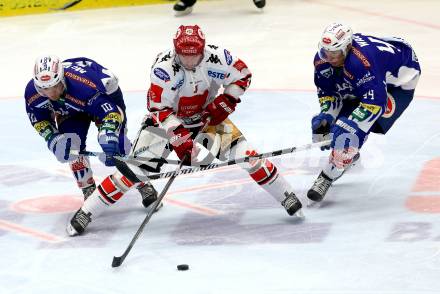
260, 3
87, 191
183, 7
319, 188
292, 204
78, 223
149, 195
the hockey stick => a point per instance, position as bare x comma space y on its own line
139, 159
118, 260
233, 161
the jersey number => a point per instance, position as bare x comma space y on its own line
107, 107
384, 45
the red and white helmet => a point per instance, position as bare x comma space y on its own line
189, 40
336, 36
48, 71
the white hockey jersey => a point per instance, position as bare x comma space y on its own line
185, 93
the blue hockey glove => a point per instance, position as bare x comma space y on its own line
321, 128
62, 146
346, 133
110, 145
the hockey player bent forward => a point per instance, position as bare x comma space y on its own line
364, 84
62, 100
184, 90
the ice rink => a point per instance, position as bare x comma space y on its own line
378, 230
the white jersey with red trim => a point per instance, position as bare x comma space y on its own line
185, 93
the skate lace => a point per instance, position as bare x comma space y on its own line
289, 201
146, 191
321, 185
82, 219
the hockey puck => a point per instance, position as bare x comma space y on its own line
182, 267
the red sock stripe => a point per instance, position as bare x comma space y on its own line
109, 191
264, 173
127, 182
104, 195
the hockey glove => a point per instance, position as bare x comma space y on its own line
62, 146
321, 124
346, 133
182, 142
219, 109
110, 145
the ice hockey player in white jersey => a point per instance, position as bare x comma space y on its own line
183, 96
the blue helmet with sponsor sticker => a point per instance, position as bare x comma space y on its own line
336, 37
48, 71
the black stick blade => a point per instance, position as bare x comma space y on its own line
117, 261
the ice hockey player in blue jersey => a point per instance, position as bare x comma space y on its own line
62, 100
364, 84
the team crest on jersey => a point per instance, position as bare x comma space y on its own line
228, 57
162, 74
391, 107
327, 72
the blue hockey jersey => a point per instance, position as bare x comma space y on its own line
88, 89
371, 67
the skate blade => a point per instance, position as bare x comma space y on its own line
183, 13
313, 204
299, 214
158, 207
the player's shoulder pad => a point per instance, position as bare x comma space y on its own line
30, 94
165, 69
217, 55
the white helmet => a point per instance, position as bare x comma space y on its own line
336, 36
48, 71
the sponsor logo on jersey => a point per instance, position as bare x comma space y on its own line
325, 102
390, 108
327, 72
361, 57
348, 74
214, 59
176, 68
177, 86
80, 79
375, 109
213, 47
228, 57
39, 126
165, 57
365, 79
326, 99
217, 74
162, 74
75, 100
33, 98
